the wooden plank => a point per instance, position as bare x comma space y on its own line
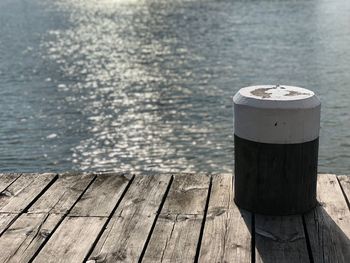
62, 194
7, 179
72, 240
176, 234
21, 193
5, 220
328, 226
174, 239
30, 230
127, 232
280, 239
344, 181
102, 196
187, 195
227, 232
24, 237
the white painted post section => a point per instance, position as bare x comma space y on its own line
276, 114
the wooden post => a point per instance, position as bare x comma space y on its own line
276, 130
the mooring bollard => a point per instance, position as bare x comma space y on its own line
276, 130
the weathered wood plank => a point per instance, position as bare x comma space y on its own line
24, 237
328, 226
227, 232
127, 232
176, 234
6, 180
30, 230
187, 195
21, 193
5, 220
102, 196
62, 194
174, 239
280, 239
345, 184
72, 240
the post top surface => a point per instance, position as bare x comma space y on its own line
276, 92
276, 97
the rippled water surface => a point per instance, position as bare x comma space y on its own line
147, 85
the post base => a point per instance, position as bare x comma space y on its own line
275, 179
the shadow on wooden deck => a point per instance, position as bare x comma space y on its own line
312, 237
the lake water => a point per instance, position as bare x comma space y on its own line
109, 85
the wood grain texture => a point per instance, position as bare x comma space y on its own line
275, 179
227, 236
20, 242
170, 234
7, 179
187, 194
176, 234
280, 239
5, 220
127, 232
102, 196
328, 226
72, 241
76, 235
62, 194
31, 229
21, 193
344, 181
174, 239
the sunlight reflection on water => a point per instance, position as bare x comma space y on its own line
147, 85
133, 85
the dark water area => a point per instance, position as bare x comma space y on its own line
115, 85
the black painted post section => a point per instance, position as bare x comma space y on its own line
275, 179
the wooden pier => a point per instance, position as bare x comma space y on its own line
162, 218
